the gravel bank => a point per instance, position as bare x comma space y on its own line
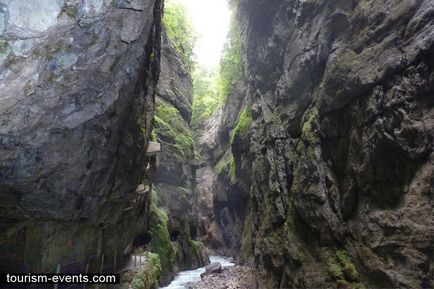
236, 277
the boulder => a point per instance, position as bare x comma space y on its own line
212, 269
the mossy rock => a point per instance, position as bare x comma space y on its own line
226, 165
232, 174
242, 129
160, 238
146, 277
172, 129
347, 266
309, 128
222, 166
341, 268
154, 260
335, 270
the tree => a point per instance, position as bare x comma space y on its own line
180, 32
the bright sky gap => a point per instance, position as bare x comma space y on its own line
210, 19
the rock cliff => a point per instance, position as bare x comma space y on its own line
341, 143
77, 83
175, 177
223, 179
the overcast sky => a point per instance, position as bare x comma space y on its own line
211, 21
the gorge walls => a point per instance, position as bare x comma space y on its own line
77, 83
223, 179
175, 176
341, 128
317, 170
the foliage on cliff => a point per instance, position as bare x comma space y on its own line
160, 239
241, 130
173, 130
180, 31
211, 86
230, 70
146, 278
148, 273
206, 94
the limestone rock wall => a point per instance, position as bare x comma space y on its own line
341, 142
175, 176
223, 180
77, 81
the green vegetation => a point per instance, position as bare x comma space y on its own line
173, 130
308, 130
206, 95
160, 238
198, 246
342, 269
230, 71
148, 274
211, 87
232, 171
223, 165
187, 251
347, 265
180, 32
198, 249
226, 165
153, 136
242, 129
154, 259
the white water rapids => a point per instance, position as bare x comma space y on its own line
185, 277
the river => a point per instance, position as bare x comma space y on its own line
185, 277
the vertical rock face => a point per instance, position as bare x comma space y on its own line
341, 142
223, 180
175, 175
77, 82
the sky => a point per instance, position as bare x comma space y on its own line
210, 19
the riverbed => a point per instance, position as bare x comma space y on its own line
185, 277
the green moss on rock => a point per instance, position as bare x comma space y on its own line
146, 277
242, 129
347, 265
232, 174
309, 131
154, 260
222, 166
153, 136
341, 268
198, 247
160, 238
226, 165
172, 129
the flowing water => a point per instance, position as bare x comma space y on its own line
185, 277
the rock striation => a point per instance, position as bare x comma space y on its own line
341, 142
77, 82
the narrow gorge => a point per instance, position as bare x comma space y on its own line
302, 159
